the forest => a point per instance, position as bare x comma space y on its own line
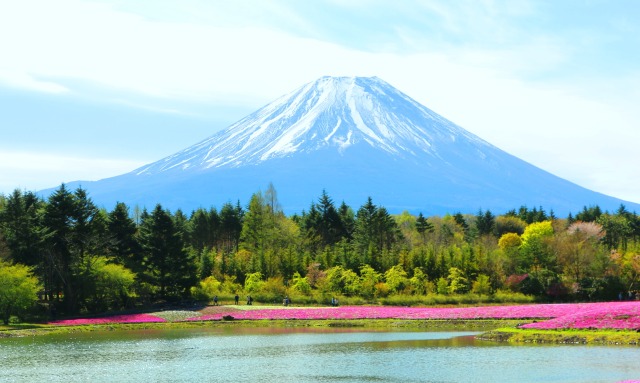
65, 256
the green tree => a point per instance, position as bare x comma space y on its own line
577, 249
369, 278
347, 217
628, 263
508, 224
77, 231
375, 231
253, 282
485, 222
442, 286
231, 222
206, 264
206, 289
205, 226
58, 219
329, 227
617, 230
123, 243
589, 214
396, 279
419, 281
112, 285
423, 226
255, 231
342, 281
462, 222
529, 215
168, 266
535, 248
301, 284
510, 244
458, 283
482, 285
21, 223
18, 290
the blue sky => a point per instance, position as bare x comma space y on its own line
92, 89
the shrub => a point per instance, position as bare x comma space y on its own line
206, 290
301, 284
442, 287
381, 290
396, 279
482, 285
18, 290
253, 282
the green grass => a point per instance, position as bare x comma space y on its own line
456, 299
602, 337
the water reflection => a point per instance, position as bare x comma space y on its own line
304, 355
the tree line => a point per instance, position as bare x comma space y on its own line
82, 258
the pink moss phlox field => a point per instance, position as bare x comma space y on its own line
613, 315
610, 315
128, 318
539, 311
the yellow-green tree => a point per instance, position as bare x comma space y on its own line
482, 285
112, 284
510, 244
396, 279
18, 290
535, 248
628, 263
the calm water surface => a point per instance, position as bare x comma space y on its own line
304, 355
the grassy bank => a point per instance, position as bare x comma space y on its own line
594, 337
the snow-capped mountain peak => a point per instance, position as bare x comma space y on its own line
355, 137
331, 112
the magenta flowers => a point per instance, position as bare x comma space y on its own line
609, 315
596, 315
128, 318
615, 315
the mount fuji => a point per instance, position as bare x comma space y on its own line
355, 137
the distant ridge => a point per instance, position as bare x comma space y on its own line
354, 137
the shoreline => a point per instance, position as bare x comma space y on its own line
494, 330
603, 323
440, 325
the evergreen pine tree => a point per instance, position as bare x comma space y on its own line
168, 266
123, 244
423, 226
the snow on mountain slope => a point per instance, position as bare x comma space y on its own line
354, 137
333, 112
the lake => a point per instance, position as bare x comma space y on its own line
262, 355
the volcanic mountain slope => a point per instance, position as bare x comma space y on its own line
354, 137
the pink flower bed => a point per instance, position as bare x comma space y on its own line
128, 318
611, 315
615, 315
384, 312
